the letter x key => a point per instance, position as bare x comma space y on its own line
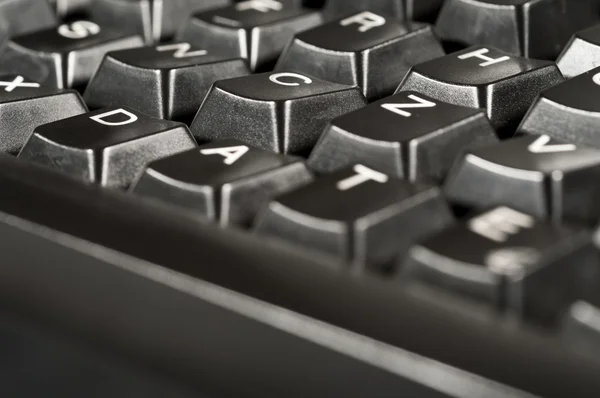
19, 81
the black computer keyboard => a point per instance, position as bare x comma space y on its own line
287, 198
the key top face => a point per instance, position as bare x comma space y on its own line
420, 10
66, 56
284, 112
109, 147
157, 80
226, 180
154, 20
519, 265
358, 215
534, 174
581, 54
25, 104
407, 135
518, 27
483, 77
569, 111
364, 49
256, 30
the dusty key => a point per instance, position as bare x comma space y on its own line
534, 174
284, 112
358, 215
26, 104
109, 147
226, 181
504, 85
256, 30
363, 49
168, 81
520, 266
581, 54
531, 28
63, 57
407, 135
569, 111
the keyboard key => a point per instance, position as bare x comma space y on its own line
526, 268
569, 111
534, 174
66, 8
283, 112
226, 180
63, 57
19, 17
407, 135
256, 30
531, 28
363, 49
504, 85
109, 147
581, 54
421, 10
358, 215
24, 105
154, 20
157, 80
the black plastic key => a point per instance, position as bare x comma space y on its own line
256, 30
532, 28
110, 147
66, 56
168, 81
504, 85
358, 215
19, 17
407, 135
226, 180
364, 49
533, 174
581, 54
527, 268
407, 10
154, 20
570, 111
24, 105
283, 112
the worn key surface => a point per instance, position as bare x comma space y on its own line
568, 111
503, 84
110, 146
534, 174
66, 56
532, 28
226, 180
284, 112
168, 81
527, 268
255, 30
408, 135
24, 105
364, 49
358, 215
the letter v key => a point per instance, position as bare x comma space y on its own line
539, 146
